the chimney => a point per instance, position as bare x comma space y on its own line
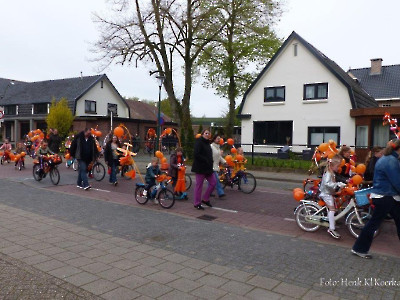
376, 66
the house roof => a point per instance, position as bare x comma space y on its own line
380, 86
358, 97
140, 110
44, 91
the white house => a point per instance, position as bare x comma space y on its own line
301, 98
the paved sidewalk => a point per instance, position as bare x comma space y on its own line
62, 260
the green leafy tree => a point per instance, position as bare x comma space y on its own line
168, 36
246, 43
60, 117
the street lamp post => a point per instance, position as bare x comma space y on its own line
160, 79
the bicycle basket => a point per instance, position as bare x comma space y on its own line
362, 196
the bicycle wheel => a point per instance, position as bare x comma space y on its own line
126, 169
75, 165
188, 181
301, 213
247, 183
54, 175
353, 224
166, 198
37, 173
139, 195
98, 171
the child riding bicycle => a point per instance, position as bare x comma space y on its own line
42, 152
151, 174
328, 188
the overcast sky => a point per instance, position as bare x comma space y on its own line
50, 39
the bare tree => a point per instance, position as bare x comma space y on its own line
162, 34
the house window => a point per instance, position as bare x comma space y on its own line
273, 132
295, 49
101, 84
40, 108
315, 91
381, 134
10, 109
362, 136
318, 135
90, 107
386, 105
272, 94
111, 107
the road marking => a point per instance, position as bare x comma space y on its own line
289, 219
273, 192
100, 190
224, 209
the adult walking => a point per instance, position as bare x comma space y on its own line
111, 157
385, 197
217, 159
203, 167
54, 141
84, 149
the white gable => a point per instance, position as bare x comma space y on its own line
293, 72
102, 93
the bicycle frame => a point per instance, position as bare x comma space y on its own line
316, 218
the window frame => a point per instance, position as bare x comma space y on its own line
7, 108
275, 98
90, 111
36, 106
315, 85
274, 133
324, 140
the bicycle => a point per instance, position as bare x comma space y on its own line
20, 163
160, 192
48, 165
72, 162
97, 170
245, 181
5, 157
311, 215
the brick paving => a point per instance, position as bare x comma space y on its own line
142, 271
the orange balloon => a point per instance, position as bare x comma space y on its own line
119, 131
163, 160
12, 156
17, 157
342, 163
318, 156
360, 169
230, 142
168, 130
98, 133
357, 179
298, 195
233, 150
23, 154
159, 154
30, 133
323, 147
239, 157
228, 158
67, 156
331, 154
198, 135
221, 141
164, 166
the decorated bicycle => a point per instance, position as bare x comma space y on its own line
235, 174
351, 201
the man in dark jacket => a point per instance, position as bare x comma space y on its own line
54, 141
84, 149
203, 167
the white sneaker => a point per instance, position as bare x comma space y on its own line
363, 255
155, 201
334, 234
